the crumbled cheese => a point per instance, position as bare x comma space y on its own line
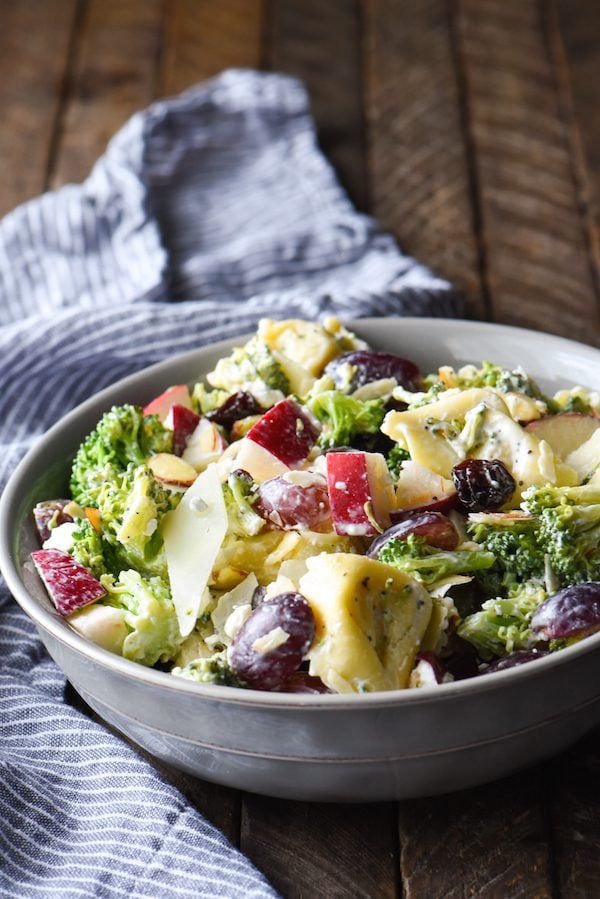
271, 640
61, 537
236, 619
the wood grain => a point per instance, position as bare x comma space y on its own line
488, 842
113, 76
575, 797
419, 172
314, 850
536, 257
574, 28
320, 43
35, 40
203, 37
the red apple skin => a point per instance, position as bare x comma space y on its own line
350, 494
185, 421
69, 584
285, 431
179, 395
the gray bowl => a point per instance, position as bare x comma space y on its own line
328, 747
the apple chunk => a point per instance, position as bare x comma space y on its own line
421, 490
204, 445
183, 422
360, 493
286, 431
69, 584
171, 469
565, 432
179, 395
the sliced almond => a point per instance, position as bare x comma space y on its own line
172, 470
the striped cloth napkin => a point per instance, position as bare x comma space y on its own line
207, 212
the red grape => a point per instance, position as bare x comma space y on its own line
48, 512
572, 612
436, 528
294, 500
370, 365
289, 621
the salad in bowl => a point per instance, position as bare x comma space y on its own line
318, 516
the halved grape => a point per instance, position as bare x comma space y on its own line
572, 612
48, 514
294, 500
483, 485
513, 660
436, 528
371, 365
271, 644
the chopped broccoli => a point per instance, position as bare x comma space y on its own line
514, 543
503, 379
343, 417
396, 456
251, 365
204, 400
502, 625
239, 499
132, 506
214, 670
417, 558
89, 548
569, 529
149, 615
123, 436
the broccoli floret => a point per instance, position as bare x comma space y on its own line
396, 456
569, 529
239, 496
150, 616
205, 400
515, 545
214, 670
503, 379
249, 367
89, 548
132, 507
344, 418
502, 625
417, 558
123, 436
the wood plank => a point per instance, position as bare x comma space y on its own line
34, 48
313, 850
320, 43
574, 27
203, 37
419, 172
114, 75
575, 796
491, 841
535, 248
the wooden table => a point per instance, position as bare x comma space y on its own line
471, 130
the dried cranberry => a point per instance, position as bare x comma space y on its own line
238, 405
483, 485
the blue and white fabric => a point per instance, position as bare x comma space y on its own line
207, 212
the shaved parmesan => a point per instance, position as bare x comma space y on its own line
193, 534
